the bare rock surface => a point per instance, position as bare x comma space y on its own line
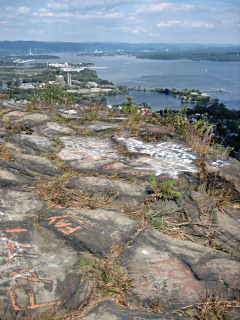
53, 129
33, 143
93, 230
18, 205
6, 105
177, 273
194, 253
28, 263
110, 310
36, 164
121, 192
227, 230
162, 157
26, 117
14, 115
101, 126
87, 148
151, 158
10, 179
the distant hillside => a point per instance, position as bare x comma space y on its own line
141, 50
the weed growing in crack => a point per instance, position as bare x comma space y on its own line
108, 276
165, 190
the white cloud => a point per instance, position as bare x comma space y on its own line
164, 6
157, 35
34, 31
113, 15
23, 10
154, 7
138, 29
185, 24
8, 8
197, 24
97, 15
168, 23
57, 5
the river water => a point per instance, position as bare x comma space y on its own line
208, 76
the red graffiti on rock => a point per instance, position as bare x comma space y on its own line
170, 273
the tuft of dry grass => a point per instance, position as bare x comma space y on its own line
5, 153
54, 192
108, 277
15, 127
220, 194
134, 123
214, 308
122, 149
91, 112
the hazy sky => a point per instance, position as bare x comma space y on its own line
204, 21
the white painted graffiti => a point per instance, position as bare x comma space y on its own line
161, 157
87, 148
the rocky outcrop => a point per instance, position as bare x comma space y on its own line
176, 250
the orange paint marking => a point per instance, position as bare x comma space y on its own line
61, 223
33, 276
16, 230
53, 219
11, 246
70, 230
31, 300
66, 227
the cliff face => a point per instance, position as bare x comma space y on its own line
158, 234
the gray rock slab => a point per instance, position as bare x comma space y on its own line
9, 179
227, 225
111, 311
122, 192
33, 119
14, 115
101, 126
37, 164
70, 114
38, 272
10, 105
154, 132
92, 230
11, 146
170, 157
34, 142
53, 129
87, 148
17, 205
3, 132
177, 273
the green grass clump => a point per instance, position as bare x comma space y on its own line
109, 277
165, 190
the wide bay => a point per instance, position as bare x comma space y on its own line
209, 76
